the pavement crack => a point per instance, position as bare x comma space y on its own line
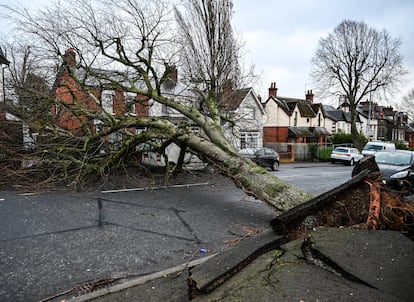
187, 226
195, 291
316, 257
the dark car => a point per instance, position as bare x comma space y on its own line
397, 169
265, 157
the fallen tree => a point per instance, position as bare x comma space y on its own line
133, 38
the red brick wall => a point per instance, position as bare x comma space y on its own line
69, 92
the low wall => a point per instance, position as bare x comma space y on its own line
291, 152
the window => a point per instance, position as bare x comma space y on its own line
249, 140
295, 120
115, 139
249, 113
98, 125
319, 119
164, 109
130, 103
108, 101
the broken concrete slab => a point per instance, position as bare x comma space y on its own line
218, 269
286, 274
383, 259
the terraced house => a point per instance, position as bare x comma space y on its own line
292, 120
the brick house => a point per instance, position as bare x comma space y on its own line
69, 112
292, 120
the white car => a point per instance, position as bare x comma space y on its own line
346, 155
376, 146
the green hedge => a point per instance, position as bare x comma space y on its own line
346, 138
322, 153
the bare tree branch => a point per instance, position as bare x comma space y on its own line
355, 61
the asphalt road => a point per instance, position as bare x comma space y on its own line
51, 242
314, 178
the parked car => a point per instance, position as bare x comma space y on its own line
152, 159
377, 146
265, 157
397, 169
346, 155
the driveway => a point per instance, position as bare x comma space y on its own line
52, 242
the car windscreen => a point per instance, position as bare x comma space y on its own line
393, 158
372, 147
341, 150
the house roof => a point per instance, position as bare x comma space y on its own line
233, 100
282, 104
308, 131
306, 108
339, 115
335, 115
317, 106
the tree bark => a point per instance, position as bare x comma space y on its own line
251, 178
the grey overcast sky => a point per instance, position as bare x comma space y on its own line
280, 36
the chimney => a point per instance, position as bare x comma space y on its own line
227, 87
70, 57
171, 77
273, 90
173, 74
309, 96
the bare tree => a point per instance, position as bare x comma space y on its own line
133, 40
407, 105
210, 53
355, 61
28, 84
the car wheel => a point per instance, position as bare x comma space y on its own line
275, 166
351, 162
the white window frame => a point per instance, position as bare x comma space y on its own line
130, 103
107, 101
249, 139
248, 113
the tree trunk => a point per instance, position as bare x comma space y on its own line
252, 179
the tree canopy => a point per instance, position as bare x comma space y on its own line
131, 46
355, 61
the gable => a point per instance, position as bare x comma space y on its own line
242, 98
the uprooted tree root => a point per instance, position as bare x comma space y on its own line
397, 214
349, 208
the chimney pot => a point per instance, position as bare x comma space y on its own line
273, 90
309, 96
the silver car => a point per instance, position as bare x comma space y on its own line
346, 155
